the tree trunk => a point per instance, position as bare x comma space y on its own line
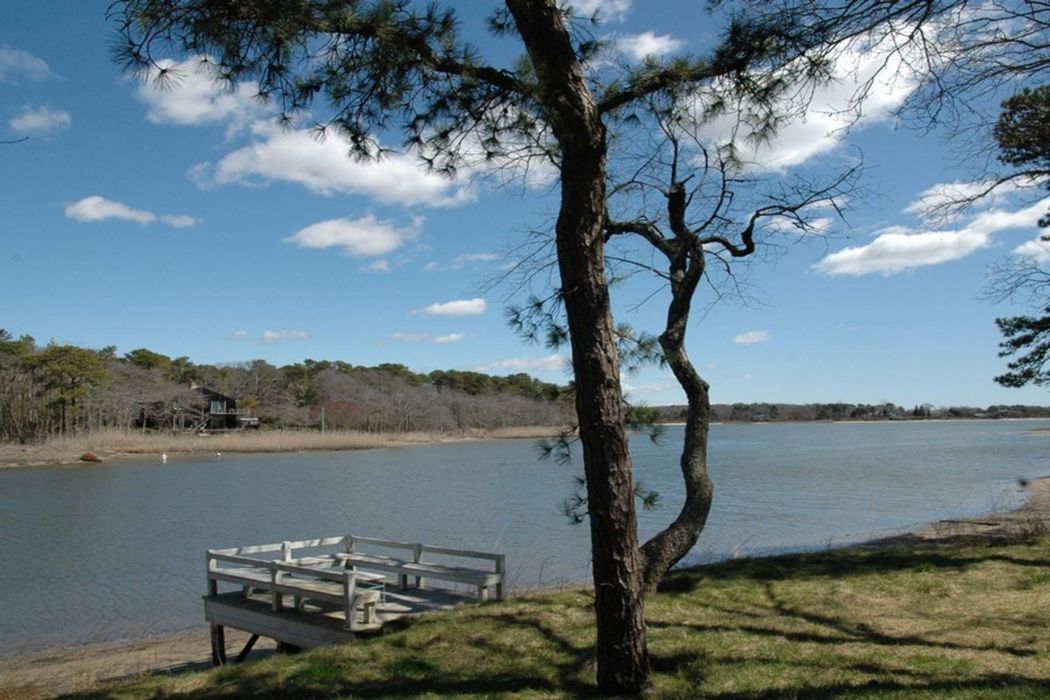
666, 548
622, 656
686, 270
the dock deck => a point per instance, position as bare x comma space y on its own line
331, 597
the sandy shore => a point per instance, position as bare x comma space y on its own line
56, 671
115, 446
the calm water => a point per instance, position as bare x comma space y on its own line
116, 551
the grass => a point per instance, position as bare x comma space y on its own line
923, 621
109, 443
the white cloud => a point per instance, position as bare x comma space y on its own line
190, 96
277, 336
551, 363
240, 335
651, 388
1037, 251
39, 121
813, 227
96, 208
944, 202
638, 46
752, 337
381, 265
897, 248
364, 237
461, 260
323, 166
16, 63
458, 307
891, 253
614, 10
828, 115
179, 220
410, 337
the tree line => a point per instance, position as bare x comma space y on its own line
761, 412
60, 389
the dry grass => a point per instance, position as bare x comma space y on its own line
113, 443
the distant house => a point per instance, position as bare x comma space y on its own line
211, 411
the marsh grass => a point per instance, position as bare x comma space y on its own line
922, 621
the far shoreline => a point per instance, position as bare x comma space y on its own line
117, 447
58, 670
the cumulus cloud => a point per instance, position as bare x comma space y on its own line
323, 166
752, 337
96, 208
240, 335
39, 121
458, 307
16, 64
828, 116
551, 363
364, 237
638, 46
277, 336
189, 95
614, 10
899, 248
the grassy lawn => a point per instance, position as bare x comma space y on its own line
926, 621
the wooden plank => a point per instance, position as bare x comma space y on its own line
466, 553
424, 569
317, 542
302, 629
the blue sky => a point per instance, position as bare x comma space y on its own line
186, 222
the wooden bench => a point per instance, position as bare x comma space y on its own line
416, 561
343, 588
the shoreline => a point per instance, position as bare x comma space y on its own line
58, 670
114, 447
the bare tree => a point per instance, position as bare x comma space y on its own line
702, 213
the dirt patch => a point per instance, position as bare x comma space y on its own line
83, 668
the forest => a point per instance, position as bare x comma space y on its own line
61, 389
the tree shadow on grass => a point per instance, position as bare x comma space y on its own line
993, 686
842, 564
562, 665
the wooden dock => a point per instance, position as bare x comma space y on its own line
329, 590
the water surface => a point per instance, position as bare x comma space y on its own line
116, 551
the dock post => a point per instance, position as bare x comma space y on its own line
417, 556
218, 645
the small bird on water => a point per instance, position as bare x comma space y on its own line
164, 457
